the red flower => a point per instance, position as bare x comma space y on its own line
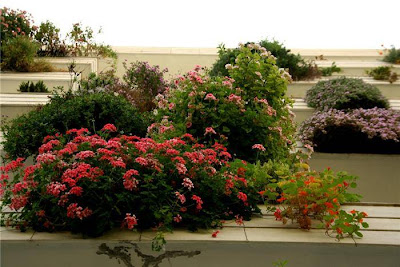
278, 214
329, 205
109, 127
199, 202
215, 233
130, 221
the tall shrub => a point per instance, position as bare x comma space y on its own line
249, 111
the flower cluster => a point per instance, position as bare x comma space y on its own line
81, 179
308, 195
360, 130
345, 93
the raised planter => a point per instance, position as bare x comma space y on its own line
259, 242
390, 91
379, 175
85, 65
355, 68
10, 82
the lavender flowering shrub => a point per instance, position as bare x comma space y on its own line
375, 130
345, 93
145, 82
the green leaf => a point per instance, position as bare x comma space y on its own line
359, 234
365, 225
353, 185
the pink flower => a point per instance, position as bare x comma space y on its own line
181, 168
109, 127
259, 147
178, 218
188, 183
210, 96
239, 219
142, 161
242, 196
209, 130
181, 197
55, 188
130, 221
75, 211
199, 202
76, 190
85, 154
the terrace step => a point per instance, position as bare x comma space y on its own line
390, 91
13, 105
258, 242
355, 68
10, 81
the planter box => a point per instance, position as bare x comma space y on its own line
355, 68
84, 64
379, 175
259, 243
390, 91
13, 105
9, 82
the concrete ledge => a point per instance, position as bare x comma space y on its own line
85, 65
390, 91
258, 243
379, 179
10, 82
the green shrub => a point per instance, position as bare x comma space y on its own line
24, 135
392, 55
32, 87
383, 73
298, 68
19, 55
247, 111
51, 45
345, 93
328, 71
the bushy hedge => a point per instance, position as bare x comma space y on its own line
24, 135
248, 109
298, 68
345, 93
373, 130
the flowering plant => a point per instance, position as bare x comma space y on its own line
90, 183
143, 83
15, 23
24, 134
246, 109
308, 195
374, 130
345, 93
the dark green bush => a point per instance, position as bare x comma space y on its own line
24, 135
383, 73
51, 45
18, 54
298, 68
32, 87
392, 56
345, 93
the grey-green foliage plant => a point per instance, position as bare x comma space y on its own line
32, 87
345, 93
328, 71
383, 73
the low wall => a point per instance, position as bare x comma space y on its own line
379, 175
